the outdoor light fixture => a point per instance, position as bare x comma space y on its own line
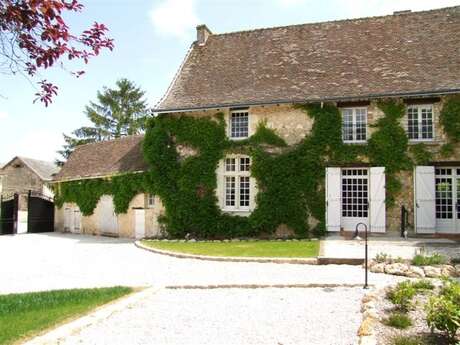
365, 249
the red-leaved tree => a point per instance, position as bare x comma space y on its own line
34, 36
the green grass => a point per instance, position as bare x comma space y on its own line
27, 314
300, 249
399, 320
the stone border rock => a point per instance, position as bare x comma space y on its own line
412, 271
366, 331
304, 261
262, 286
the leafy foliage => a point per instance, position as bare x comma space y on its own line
425, 260
421, 155
399, 320
443, 311
450, 118
34, 36
118, 112
401, 295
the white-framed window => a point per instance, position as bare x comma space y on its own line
354, 125
420, 124
237, 183
239, 124
150, 200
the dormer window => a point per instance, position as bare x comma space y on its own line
239, 124
354, 125
420, 122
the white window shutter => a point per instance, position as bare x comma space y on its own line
425, 199
333, 199
377, 199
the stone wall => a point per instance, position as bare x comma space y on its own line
293, 124
18, 178
90, 224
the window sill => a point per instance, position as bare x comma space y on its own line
238, 138
237, 212
432, 142
355, 142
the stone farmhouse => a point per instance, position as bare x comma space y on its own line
270, 77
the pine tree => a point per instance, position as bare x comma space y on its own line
117, 112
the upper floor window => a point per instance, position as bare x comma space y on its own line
237, 183
354, 125
239, 124
150, 200
420, 122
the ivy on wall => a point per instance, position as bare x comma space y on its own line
290, 180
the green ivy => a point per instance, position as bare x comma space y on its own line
450, 118
290, 180
420, 154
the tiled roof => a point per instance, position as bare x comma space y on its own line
409, 53
44, 169
104, 159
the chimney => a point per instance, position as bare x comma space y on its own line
202, 34
401, 12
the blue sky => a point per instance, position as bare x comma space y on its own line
151, 39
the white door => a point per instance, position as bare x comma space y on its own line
447, 186
68, 214
377, 209
108, 222
333, 199
76, 221
425, 199
355, 196
139, 223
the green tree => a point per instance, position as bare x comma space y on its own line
117, 112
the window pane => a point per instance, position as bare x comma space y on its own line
412, 123
427, 123
244, 191
354, 193
361, 120
230, 164
444, 198
230, 192
244, 164
347, 125
239, 124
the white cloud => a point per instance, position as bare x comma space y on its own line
39, 144
176, 18
3, 115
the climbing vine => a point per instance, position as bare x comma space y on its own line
290, 179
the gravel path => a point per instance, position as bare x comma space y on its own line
232, 316
55, 261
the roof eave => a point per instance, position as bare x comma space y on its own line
312, 100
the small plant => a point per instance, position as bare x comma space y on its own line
443, 311
407, 340
398, 320
423, 284
382, 257
401, 295
425, 260
398, 260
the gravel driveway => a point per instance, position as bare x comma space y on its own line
33, 262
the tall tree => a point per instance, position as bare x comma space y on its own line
35, 36
117, 112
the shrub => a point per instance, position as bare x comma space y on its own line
382, 257
398, 320
423, 284
455, 261
425, 260
401, 295
443, 311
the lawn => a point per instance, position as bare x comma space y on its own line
298, 249
27, 314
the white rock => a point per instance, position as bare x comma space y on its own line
448, 271
415, 272
192, 240
378, 268
432, 272
457, 270
397, 269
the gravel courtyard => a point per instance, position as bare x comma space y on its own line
189, 316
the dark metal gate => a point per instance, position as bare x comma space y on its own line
8, 214
40, 216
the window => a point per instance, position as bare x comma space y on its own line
354, 193
239, 124
237, 183
150, 200
354, 123
420, 122
444, 193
